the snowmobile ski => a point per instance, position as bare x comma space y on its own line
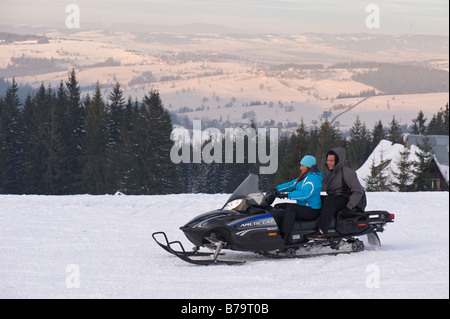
187, 256
167, 245
206, 262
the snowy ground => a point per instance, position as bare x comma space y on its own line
101, 247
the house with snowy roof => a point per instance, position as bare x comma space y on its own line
440, 148
387, 157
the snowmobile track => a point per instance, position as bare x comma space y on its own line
305, 250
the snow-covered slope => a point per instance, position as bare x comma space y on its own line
101, 247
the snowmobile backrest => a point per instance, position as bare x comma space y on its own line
346, 191
361, 206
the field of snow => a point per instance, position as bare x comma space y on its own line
101, 247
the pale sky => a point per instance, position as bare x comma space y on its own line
262, 16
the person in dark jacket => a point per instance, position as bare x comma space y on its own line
343, 189
306, 191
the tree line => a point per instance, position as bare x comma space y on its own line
58, 142
222, 177
403, 79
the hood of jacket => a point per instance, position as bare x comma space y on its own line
340, 153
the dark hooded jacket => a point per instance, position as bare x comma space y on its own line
341, 174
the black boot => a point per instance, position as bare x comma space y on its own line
319, 235
287, 239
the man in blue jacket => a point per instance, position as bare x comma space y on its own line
306, 191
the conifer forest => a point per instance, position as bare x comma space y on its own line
58, 142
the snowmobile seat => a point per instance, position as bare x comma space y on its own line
298, 224
310, 224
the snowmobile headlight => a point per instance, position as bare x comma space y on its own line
233, 204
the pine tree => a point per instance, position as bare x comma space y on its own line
44, 105
378, 134
116, 111
446, 123
36, 124
95, 145
73, 136
358, 145
419, 126
439, 123
378, 180
329, 138
62, 179
41, 144
395, 134
372, 179
10, 147
43, 151
425, 160
115, 127
29, 140
405, 174
126, 155
53, 172
166, 178
153, 172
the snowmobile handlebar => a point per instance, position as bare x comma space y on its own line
273, 194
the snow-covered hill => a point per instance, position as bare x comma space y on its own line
224, 77
101, 247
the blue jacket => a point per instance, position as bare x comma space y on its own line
306, 192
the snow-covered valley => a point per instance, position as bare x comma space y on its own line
232, 78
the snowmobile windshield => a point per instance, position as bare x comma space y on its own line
247, 194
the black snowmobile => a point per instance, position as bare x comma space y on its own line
249, 222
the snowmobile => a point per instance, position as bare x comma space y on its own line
249, 222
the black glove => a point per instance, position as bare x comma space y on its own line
271, 196
282, 195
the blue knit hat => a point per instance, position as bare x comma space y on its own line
308, 161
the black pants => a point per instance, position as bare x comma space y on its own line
330, 206
293, 212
